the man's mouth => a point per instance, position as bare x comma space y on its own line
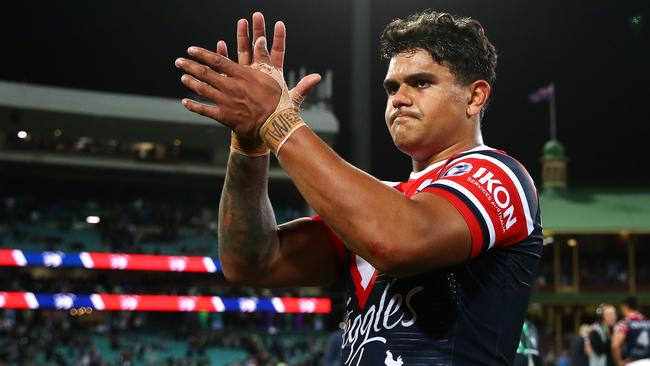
402, 118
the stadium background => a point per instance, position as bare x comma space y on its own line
90, 126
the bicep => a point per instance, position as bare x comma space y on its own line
440, 237
306, 256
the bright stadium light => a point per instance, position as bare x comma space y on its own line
22, 135
548, 240
92, 219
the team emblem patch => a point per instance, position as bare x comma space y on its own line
458, 169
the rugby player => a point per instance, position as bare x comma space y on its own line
437, 269
631, 339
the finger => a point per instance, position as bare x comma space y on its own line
222, 49
210, 111
215, 61
243, 43
201, 72
259, 26
279, 45
202, 89
306, 84
260, 52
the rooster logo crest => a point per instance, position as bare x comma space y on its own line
389, 361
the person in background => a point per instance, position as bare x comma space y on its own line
579, 355
528, 350
598, 343
631, 339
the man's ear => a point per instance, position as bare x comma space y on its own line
478, 94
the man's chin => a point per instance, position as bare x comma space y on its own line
404, 146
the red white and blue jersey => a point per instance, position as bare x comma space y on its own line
468, 314
636, 328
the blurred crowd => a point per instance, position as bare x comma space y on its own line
611, 340
130, 223
54, 337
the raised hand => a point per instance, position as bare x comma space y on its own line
243, 96
276, 58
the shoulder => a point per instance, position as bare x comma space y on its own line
490, 163
621, 326
495, 194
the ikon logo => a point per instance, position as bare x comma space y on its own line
247, 305
118, 261
52, 259
128, 302
186, 304
63, 301
307, 306
500, 194
177, 264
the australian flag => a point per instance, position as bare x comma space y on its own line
542, 94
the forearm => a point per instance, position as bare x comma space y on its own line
247, 228
369, 215
616, 355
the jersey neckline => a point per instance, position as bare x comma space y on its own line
430, 168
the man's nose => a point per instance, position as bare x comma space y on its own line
402, 97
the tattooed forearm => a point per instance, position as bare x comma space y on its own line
247, 227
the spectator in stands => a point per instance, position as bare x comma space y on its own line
527, 353
333, 355
598, 344
578, 355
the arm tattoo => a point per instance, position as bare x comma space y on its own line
247, 227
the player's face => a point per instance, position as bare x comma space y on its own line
609, 315
426, 110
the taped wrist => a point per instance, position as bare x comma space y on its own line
279, 127
236, 146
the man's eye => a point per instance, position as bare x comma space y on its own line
423, 83
390, 90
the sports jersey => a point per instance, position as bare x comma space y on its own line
637, 336
468, 314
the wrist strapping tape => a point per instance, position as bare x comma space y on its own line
279, 127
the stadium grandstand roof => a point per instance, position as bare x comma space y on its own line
125, 114
591, 210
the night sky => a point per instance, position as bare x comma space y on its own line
597, 57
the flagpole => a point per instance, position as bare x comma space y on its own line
552, 113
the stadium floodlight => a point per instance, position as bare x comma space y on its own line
22, 134
92, 220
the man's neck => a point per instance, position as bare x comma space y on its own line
446, 153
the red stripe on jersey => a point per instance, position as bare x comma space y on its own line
471, 220
337, 243
495, 198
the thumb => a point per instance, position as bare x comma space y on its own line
306, 84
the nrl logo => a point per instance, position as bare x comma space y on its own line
458, 169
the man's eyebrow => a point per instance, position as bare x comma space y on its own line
420, 76
389, 82
412, 77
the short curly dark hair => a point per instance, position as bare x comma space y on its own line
459, 43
